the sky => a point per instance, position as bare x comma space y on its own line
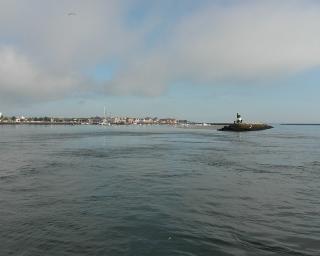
188, 59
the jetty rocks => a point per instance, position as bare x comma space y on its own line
239, 126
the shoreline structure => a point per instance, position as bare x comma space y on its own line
94, 121
239, 126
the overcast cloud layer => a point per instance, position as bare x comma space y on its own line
47, 54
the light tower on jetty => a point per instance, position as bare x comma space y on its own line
239, 119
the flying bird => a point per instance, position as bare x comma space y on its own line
71, 14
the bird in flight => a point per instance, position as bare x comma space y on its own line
71, 14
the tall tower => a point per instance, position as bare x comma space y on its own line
239, 119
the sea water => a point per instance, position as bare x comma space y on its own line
95, 190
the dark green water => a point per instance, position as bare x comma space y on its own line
159, 191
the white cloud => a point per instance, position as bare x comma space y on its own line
250, 41
23, 80
243, 42
45, 52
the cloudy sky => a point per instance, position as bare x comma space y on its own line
198, 60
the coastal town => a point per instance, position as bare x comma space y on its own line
97, 120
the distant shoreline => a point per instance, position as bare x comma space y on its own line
38, 123
112, 124
302, 124
190, 126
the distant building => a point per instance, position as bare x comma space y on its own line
96, 120
182, 121
148, 120
168, 121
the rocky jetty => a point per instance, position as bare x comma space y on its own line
239, 126
245, 127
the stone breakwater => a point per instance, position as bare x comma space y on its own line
245, 127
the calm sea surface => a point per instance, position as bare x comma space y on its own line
89, 190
